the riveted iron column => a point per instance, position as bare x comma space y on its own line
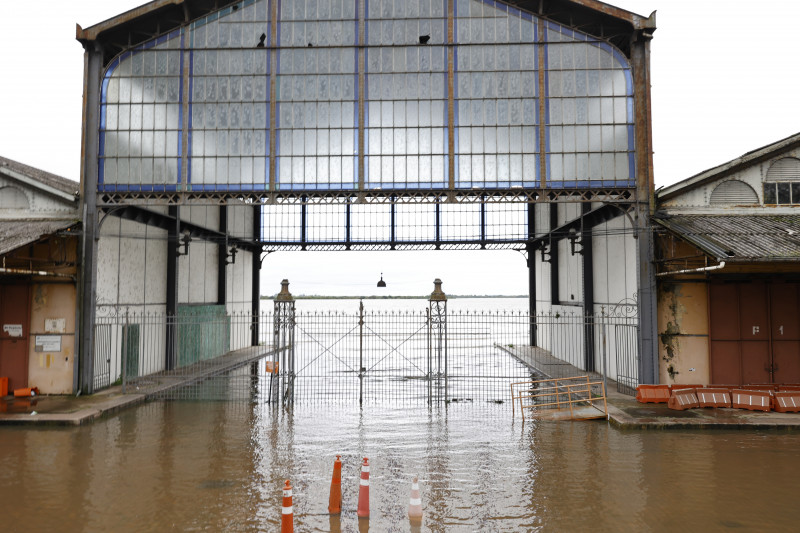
437, 337
282, 371
83, 377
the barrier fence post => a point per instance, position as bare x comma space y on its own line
283, 344
361, 368
287, 511
363, 491
603, 334
415, 503
125, 332
437, 306
335, 500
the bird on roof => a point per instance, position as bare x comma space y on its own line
261, 41
423, 39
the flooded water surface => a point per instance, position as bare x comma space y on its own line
220, 466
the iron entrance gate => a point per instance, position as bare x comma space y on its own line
394, 356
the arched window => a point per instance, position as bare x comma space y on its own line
783, 182
733, 192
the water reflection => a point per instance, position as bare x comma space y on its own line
221, 466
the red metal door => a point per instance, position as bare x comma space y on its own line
785, 332
14, 320
725, 345
755, 332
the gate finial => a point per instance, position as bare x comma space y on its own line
438, 295
284, 295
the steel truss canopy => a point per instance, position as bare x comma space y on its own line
440, 100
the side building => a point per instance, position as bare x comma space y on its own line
39, 243
728, 261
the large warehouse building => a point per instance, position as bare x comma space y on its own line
216, 131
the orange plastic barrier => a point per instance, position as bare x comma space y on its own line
287, 512
713, 397
677, 386
25, 393
683, 399
652, 393
753, 400
363, 491
3, 386
768, 387
786, 401
335, 500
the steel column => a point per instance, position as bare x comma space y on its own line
531, 253
255, 303
173, 235
645, 201
83, 377
587, 272
222, 258
555, 297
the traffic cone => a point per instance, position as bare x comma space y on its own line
415, 503
287, 514
363, 491
335, 501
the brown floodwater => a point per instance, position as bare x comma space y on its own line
220, 466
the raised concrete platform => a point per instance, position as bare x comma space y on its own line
625, 412
77, 410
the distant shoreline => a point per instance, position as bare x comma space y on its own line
421, 297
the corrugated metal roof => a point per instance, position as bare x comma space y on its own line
17, 233
740, 238
52, 180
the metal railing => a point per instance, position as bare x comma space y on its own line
574, 398
362, 356
144, 351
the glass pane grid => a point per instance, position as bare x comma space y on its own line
496, 123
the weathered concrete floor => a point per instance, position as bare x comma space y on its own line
76, 410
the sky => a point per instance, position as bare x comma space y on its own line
723, 83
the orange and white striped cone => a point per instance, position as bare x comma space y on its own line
363, 491
415, 503
287, 513
335, 501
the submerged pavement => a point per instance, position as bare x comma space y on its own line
623, 412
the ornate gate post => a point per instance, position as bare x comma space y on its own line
282, 365
437, 337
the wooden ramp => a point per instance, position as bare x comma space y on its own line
574, 398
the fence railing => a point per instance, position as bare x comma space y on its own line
364, 356
130, 347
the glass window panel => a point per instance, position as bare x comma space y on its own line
622, 167
784, 194
795, 193
581, 139
569, 167
529, 166
584, 168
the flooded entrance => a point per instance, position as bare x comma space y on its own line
220, 466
